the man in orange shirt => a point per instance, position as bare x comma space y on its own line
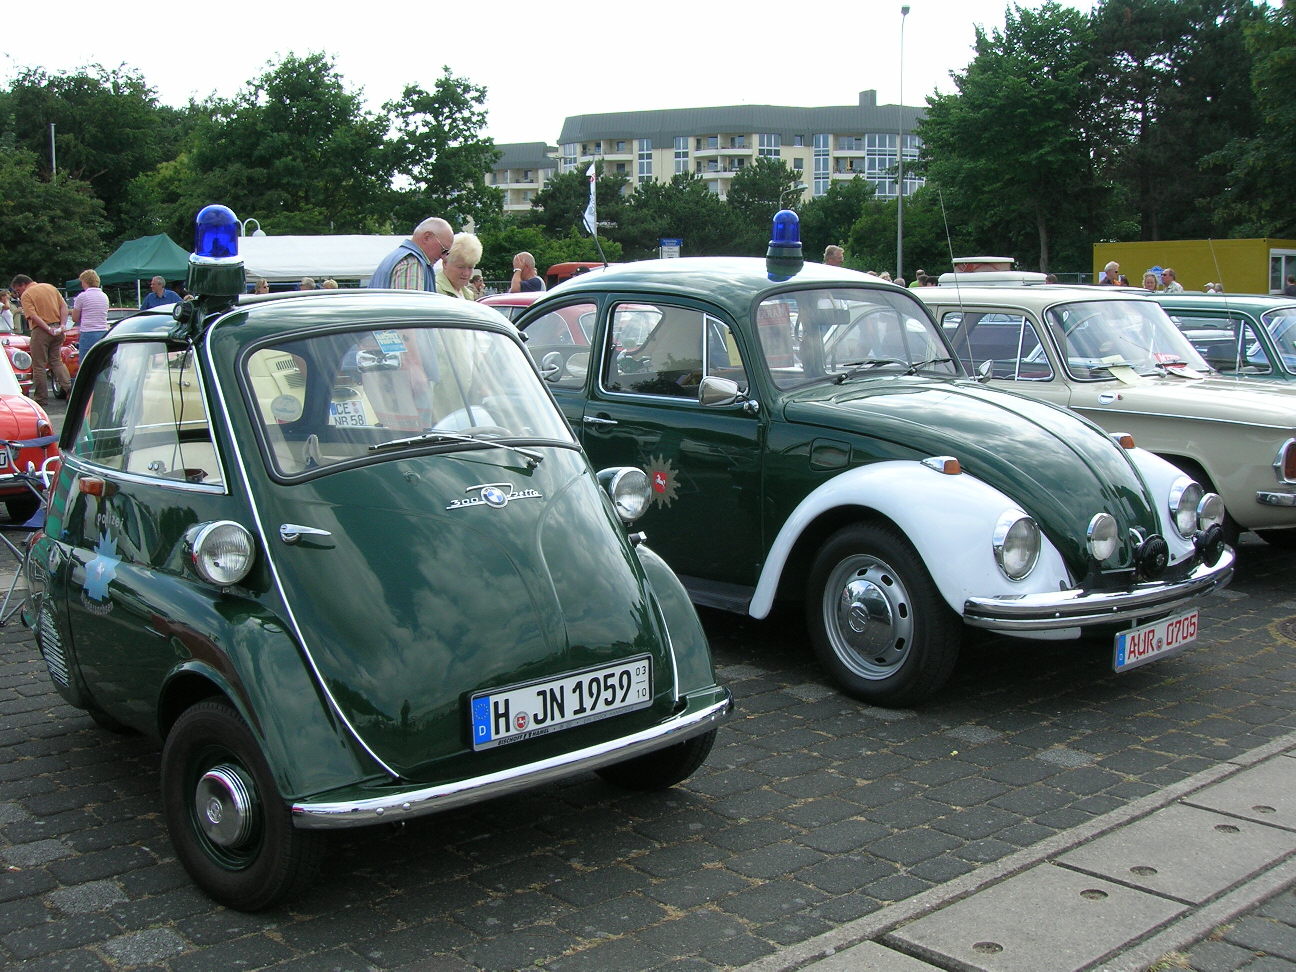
47, 313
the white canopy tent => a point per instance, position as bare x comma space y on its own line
283, 259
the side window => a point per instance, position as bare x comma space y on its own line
560, 344
660, 349
146, 416
1007, 344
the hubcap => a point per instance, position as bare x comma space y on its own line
867, 616
225, 805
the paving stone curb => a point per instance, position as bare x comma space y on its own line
1179, 933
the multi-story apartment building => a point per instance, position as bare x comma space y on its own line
522, 171
820, 144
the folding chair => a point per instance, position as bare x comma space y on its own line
37, 482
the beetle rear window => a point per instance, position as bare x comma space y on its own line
336, 397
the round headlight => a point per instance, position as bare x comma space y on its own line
1184, 497
221, 552
20, 359
629, 489
1210, 511
1102, 536
1016, 544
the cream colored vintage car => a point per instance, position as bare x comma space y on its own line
1118, 360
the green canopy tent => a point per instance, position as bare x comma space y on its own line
142, 259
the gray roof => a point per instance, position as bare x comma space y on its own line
526, 155
663, 125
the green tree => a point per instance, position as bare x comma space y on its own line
108, 127
827, 220
870, 241
1257, 194
560, 204
440, 150
1170, 83
684, 209
295, 149
1010, 148
50, 229
758, 192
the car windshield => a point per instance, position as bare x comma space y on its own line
1100, 335
1281, 324
342, 396
844, 333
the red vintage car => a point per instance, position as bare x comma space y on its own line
27, 441
18, 351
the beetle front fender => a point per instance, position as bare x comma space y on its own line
950, 520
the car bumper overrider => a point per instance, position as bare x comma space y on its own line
705, 712
1078, 608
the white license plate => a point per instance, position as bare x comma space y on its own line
1151, 642
508, 715
346, 413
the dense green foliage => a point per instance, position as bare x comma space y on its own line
1145, 119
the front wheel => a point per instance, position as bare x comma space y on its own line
231, 830
663, 768
876, 620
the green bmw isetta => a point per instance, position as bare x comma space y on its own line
342, 553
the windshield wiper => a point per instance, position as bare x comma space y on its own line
859, 367
919, 365
532, 457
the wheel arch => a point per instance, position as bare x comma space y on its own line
948, 519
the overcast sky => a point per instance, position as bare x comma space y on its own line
539, 62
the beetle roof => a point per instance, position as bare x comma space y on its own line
733, 282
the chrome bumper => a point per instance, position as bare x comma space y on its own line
1072, 609
408, 804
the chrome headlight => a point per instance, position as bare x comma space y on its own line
20, 359
1016, 544
1184, 497
1101, 536
221, 552
1210, 511
629, 489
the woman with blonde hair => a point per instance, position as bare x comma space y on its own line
457, 266
90, 311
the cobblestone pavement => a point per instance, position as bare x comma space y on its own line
813, 811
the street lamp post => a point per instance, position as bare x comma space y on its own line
904, 12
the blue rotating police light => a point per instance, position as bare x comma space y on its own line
216, 233
215, 268
783, 259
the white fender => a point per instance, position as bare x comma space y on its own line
950, 520
1160, 475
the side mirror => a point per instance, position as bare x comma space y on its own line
718, 391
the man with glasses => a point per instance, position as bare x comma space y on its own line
412, 265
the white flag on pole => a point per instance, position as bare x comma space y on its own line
590, 219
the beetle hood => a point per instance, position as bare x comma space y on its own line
1061, 469
495, 575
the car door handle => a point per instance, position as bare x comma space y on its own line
292, 532
594, 420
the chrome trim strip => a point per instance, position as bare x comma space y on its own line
1068, 609
443, 796
1267, 498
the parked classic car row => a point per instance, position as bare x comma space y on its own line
346, 553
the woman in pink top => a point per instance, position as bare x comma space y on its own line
90, 311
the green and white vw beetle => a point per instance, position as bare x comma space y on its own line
343, 554
811, 437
